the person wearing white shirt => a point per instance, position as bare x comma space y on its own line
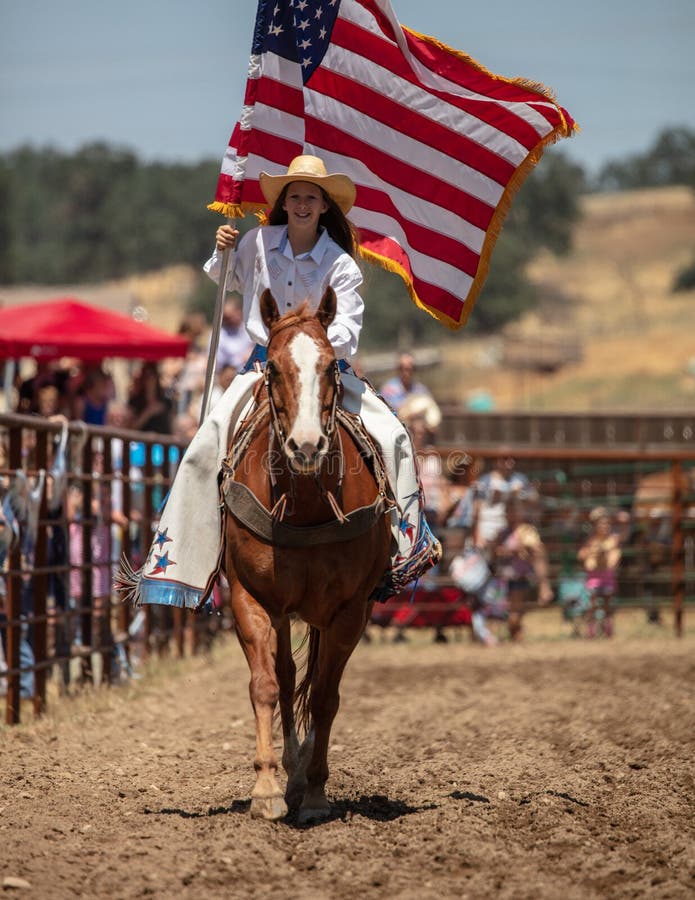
308, 245
265, 259
235, 343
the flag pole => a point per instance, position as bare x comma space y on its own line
215, 333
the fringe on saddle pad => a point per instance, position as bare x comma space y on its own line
137, 591
126, 582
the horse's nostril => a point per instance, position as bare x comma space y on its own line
308, 451
322, 443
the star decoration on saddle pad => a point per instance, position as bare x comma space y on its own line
407, 528
162, 563
162, 538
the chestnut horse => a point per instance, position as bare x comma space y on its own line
307, 534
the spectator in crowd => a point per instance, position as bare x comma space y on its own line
235, 345
21, 511
223, 378
472, 575
185, 428
483, 510
92, 400
521, 562
96, 553
600, 557
403, 385
8, 535
101, 558
48, 373
151, 407
189, 376
49, 402
421, 415
422, 421
459, 473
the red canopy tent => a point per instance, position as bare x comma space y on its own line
69, 327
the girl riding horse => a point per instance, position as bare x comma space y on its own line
308, 246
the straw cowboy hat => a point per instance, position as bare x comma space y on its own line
313, 170
422, 406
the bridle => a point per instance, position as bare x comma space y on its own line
329, 428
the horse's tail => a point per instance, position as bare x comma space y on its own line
302, 694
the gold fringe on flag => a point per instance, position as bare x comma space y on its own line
493, 232
535, 87
390, 265
239, 210
500, 214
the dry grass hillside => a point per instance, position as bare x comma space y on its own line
637, 338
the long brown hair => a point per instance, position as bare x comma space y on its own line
334, 220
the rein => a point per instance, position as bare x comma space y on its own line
279, 510
275, 417
267, 524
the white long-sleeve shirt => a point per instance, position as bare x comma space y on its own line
263, 259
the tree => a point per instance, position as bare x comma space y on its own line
100, 213
546, 208
670, 160
6, 250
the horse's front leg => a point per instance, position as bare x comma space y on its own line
336, 645
259, 641
286, 670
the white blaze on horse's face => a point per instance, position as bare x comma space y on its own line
306, 444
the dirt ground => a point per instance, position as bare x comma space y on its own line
556, 769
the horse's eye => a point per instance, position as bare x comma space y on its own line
270, 367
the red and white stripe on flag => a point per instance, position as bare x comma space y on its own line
436, 145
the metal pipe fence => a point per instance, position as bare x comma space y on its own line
655, 487
590, 430
75, 498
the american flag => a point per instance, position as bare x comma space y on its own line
436, 145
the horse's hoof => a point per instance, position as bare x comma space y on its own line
270, 808
307, 815
293, 797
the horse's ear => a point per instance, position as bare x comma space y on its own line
327, 308
269, 309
